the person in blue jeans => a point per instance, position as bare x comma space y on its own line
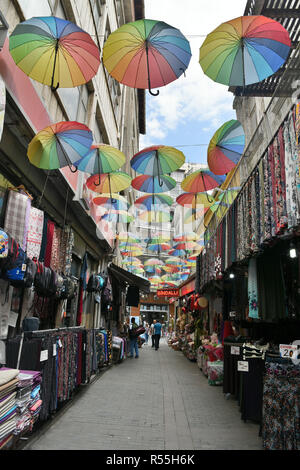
133, 339
157, 333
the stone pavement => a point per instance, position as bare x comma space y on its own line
160, 401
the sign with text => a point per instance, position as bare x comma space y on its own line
168, 293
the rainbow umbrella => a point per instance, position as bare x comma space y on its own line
245, 50
132, 253
146, 54
155, 217
192, 215
158, 247
132, 260
118, 216
59, 145
153, 262
155, 280
157, 160
174, 261
226, 147
189, 237
161, 238
201, 181
110, 182
177, 253
116, 201
101, 159
195, 200
128, 237
154, 200
54, 51
153, 184
186, 246
171, 269
153, 269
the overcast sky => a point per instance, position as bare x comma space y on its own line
189, 110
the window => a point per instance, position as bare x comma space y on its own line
32, 8
75, 102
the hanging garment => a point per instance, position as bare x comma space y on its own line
35, 233
133, 296
252, 289
16, 216
49, 241
55, 252
291, 172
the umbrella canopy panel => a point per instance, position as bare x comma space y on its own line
146, 54
245, 50
54, 51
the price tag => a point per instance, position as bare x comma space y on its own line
24, 267
243, 366
59, 343
288, 351
44, 355
54, 349
235, 350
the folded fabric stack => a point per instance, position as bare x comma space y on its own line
8, 408
28, 400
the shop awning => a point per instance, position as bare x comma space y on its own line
129, 278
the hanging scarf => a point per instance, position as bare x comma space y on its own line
252, 289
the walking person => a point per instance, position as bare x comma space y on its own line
147, 333
152, 333
157, 333
133, 339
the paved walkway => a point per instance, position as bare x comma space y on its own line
160, 401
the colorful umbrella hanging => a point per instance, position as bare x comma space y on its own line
157, 160
162, 238
201, 181
195, 200
60, 145
152, 201
159, 247
118, 216
110, 182
54, 51
226, 147
177, 253
146, 54
245, 50
186, 246
152, 217
189, 237
152, 184
132, 260
153, 262
128, 237
101, 159
175, 261
192, 215
116, 201
171, 269
137, 252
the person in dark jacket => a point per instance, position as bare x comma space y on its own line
133, 339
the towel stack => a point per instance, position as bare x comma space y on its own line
28, 400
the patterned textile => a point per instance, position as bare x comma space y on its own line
281, 406
55, 252
16, 216
49, 241
66, 249
291, 172
35, 232
252, 289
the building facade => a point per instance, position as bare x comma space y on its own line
114, 113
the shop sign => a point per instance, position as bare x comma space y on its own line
288, 351
168, 293
243, 366
187, 289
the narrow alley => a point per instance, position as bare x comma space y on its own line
160, 401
